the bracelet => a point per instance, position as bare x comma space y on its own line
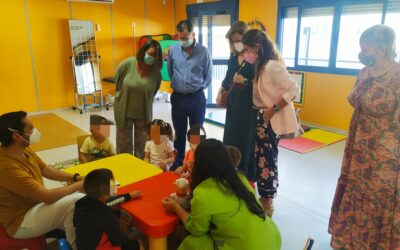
75, 177
276, 108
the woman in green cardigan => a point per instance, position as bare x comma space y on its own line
137, 82
225, 213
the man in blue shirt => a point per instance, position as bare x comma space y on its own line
189, 67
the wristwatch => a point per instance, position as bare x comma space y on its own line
246, 82
75, 177
276, 108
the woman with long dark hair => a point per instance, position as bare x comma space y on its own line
224, 209
273, 93
240, 116
137, 82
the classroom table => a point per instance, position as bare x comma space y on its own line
126, 168
147, 212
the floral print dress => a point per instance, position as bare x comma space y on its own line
366, 208
266, 154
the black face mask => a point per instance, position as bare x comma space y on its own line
366, 60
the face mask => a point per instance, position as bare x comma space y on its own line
148, 59
193, 146
113, 190
238, 46
33, 138
366, 60
187, 43
250, 57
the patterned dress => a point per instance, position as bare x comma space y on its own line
266, 155
366, 208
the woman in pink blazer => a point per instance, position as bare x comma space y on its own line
273, 95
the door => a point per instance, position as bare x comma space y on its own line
210, 30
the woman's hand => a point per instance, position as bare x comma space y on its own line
238, 78
170, 204
180, 170
268, 114
221, 93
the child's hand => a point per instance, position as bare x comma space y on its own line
180, 170
162, 165
185, 175
135, 194
170, 204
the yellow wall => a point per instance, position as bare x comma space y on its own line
48, 22
180, 9
17, 91
51, 49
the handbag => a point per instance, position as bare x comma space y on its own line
225, 97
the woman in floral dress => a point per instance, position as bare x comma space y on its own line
366, 208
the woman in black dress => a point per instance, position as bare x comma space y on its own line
240, 116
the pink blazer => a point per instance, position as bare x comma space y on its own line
273, 84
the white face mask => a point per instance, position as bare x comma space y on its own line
238, 46
33, 138
113, 190
193, 146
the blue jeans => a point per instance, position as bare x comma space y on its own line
184, 106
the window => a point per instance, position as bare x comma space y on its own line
288, 44
353, 21
392, 20
323, 36
315, 36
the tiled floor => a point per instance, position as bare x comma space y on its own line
307, 182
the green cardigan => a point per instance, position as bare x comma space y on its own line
134, 95
219, 217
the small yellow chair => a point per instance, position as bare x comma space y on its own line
79, 142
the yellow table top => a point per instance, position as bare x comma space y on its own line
126, 168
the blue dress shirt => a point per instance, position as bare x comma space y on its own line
189, 73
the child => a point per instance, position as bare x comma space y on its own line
159, 151
94, 220
98, 145
234, 155
195, 135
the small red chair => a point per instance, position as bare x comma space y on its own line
105, 244
6, 242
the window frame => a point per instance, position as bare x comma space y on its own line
338, 6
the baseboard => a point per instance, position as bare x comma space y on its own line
327, 128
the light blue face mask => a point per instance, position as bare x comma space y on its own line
187, 43
148, 59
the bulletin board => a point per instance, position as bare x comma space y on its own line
299, 77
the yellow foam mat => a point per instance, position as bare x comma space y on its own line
323, 136
56, 132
